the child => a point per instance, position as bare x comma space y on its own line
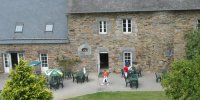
105, 77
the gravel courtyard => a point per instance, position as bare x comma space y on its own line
146, 83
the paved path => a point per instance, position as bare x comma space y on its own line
146, 83
3, 78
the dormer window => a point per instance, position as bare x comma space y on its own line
19, 28
49, 28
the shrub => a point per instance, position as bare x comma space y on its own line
182, 81
193, 43
67, 63
24, 85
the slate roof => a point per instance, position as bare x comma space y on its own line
34, 14
98, 6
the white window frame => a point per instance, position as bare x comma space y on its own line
126, 58
44, 62
19, 28
102, 27
6, 60
49, 27
126, 25
20, 55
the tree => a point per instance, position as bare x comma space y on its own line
24, 85
183, 80
67, 63
193, 43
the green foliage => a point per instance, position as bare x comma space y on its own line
193, 43
24, 85
183, 80
67, 63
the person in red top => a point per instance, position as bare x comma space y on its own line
125, 71
105, 77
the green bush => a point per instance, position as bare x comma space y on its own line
183, 80
193, 44
67, 63
24, 85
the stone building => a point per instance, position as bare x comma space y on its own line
103, 33
33, 29
110, 33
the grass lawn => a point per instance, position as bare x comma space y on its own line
139, 95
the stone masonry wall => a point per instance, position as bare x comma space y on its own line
153, 34
32, 52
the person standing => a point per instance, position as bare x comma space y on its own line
125, 71
105, 77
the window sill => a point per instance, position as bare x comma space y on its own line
127, 32
102, 33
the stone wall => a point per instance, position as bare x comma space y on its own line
153, 34
32, 51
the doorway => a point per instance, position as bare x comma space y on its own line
10, 60
104, 62
14, 60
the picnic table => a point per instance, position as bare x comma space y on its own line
80, 77
134, 70
55, 82
132, 79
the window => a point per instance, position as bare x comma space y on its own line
102, 27
169, 52
84, 49
127, 58
126, 25
44, 60
19, 27
198, 24
49, 28
6, 60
